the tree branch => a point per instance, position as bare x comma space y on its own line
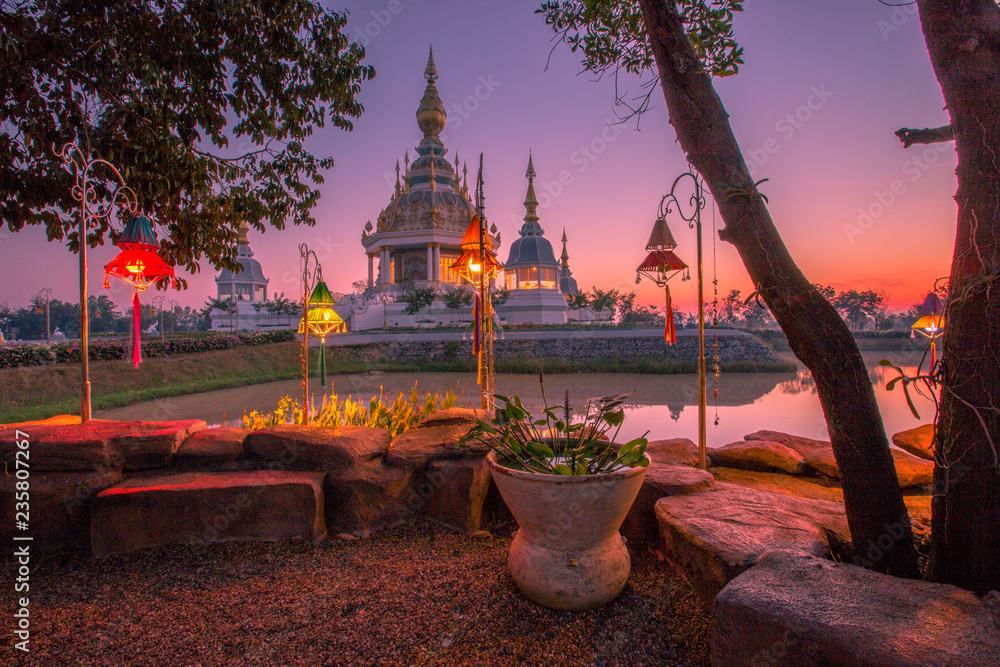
930, 135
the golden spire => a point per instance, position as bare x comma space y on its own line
465, 178
398, 187
564, 259
431, 115
530, 202
406, 174
241, 239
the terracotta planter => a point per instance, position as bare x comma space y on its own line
568, 554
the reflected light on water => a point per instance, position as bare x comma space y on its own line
664, 405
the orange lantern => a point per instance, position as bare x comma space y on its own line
139, 266
660, 265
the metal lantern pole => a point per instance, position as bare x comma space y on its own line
48, 326
697, 202
304, 254
485, 328
90, 211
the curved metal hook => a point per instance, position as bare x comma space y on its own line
671, 202
83, 192
309, 279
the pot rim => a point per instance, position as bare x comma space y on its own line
491, 461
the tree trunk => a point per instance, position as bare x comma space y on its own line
962, 38
879, 522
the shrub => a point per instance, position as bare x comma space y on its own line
34, 354
401, 414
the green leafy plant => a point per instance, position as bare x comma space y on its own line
556, 444
399, 415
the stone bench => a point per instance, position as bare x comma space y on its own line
796, 609
191, 508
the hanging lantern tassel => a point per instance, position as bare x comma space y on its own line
136, 338
669, 335
322, 362
477, 327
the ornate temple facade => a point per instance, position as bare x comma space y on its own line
531, 271
245, 287
415, 240
416, 237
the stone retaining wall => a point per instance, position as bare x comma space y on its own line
580, 347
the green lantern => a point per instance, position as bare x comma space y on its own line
322, 320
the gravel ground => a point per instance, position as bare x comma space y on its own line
414, 595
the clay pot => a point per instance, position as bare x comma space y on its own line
568, 554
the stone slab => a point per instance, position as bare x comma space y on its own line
211, 449
453, 493
679, 451
716, 534
760, 455
185, 508
148, 445
436, 438
61, 448
794, 609
59, 508
662, 480
316, 448
366, 497
918, 441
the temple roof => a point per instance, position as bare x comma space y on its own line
430, 194
532, 249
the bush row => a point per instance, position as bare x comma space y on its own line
32, 354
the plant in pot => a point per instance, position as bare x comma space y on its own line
569, 487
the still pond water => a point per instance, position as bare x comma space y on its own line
664, 405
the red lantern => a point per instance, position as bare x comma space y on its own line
139, 266
660, 265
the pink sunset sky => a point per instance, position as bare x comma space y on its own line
824, 87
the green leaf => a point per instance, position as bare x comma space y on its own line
562, 469
539, 450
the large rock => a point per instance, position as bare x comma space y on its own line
364, 497
662, 479
328, 449
820, 488
815, 487
101, 444
436, 437
207, 507
679, 451
918, 441
61, 448
760, 455
59, 509
453, 493
147, 445
910, 471
801, 444
794, 609
212, 449
716, 534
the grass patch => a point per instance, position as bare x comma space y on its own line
39, 392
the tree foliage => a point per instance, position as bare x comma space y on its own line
204, 106
610, 38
